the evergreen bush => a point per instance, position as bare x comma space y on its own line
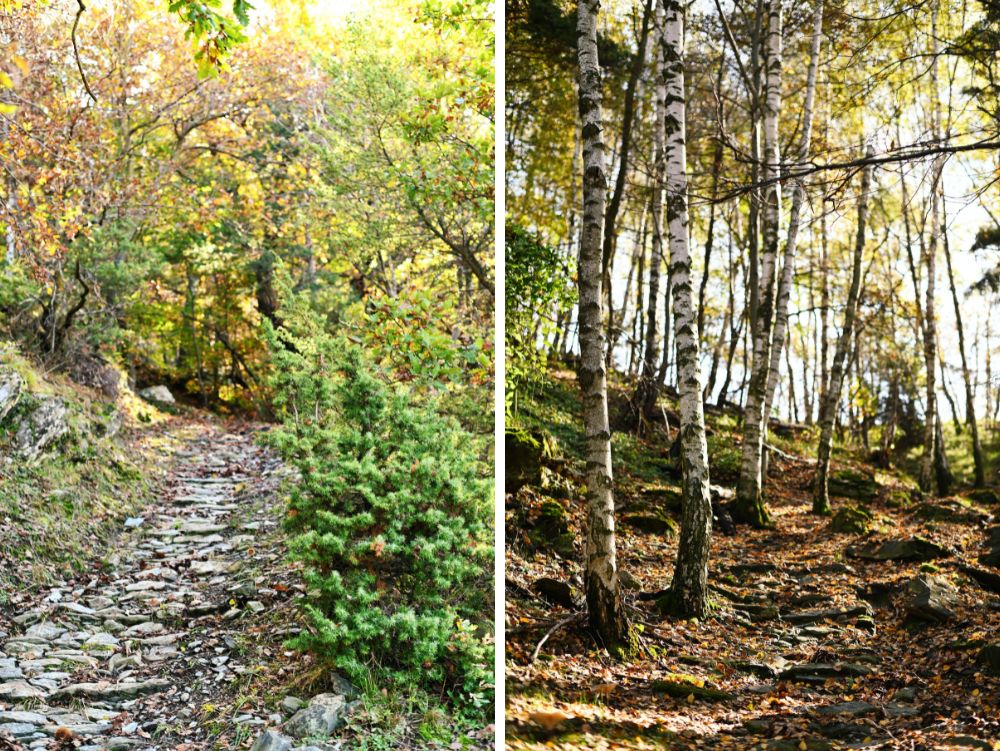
390, 519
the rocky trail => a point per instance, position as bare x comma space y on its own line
874, 629
135, 652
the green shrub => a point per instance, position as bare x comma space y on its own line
389, 518
536, 291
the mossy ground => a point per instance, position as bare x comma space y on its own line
59, 512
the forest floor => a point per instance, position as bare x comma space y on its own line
809, 646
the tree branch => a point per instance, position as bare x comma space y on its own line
902, 155
76, 49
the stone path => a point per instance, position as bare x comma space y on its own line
126, 657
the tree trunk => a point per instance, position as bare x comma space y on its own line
970, 402
614, 205
793, 407
749, 504
831, 398
727, 326
710, 234
604, 603
824, 302
638, 321
955, 420
989, 373
643, 401
942, 469
734, 342
798, 198
926, 479
661, 374
688, 595
638, 247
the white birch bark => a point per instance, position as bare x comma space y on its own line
600, 568
794, 217
749, 506
689, 590
646, 390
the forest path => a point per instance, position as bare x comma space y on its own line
820, 637
130, 653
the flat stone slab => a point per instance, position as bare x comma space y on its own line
203, 568
19, 690
46, 631
18, 729
320, 718
821, 671
202, 528
931, 598
20, 716
149, 628
851, 708
911, 549
271, 740
111, 691
831, 614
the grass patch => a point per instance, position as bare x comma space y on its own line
60, 511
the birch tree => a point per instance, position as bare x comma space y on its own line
749, 506
794, 217
979, 461
688, 595
644, 399
926, 477
831, 399
604, 604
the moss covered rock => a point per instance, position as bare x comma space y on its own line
554, 485
859, 484
911, 549
985, 495
946, 510
550, 530
989, 658
852, 520
651, 523
903, 498
688, 687
525, 452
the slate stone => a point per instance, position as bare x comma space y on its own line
18, 716
271, 740
911, 549
46, 631
555, 591
851, 708
11, 385
39, 430
111, 691
18, 729
931, 599
321, 717
652, 524
832, 614
159, 394
18, 690
821, 671
291, 704
989, 658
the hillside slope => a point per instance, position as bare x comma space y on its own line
874, 629
75, 461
